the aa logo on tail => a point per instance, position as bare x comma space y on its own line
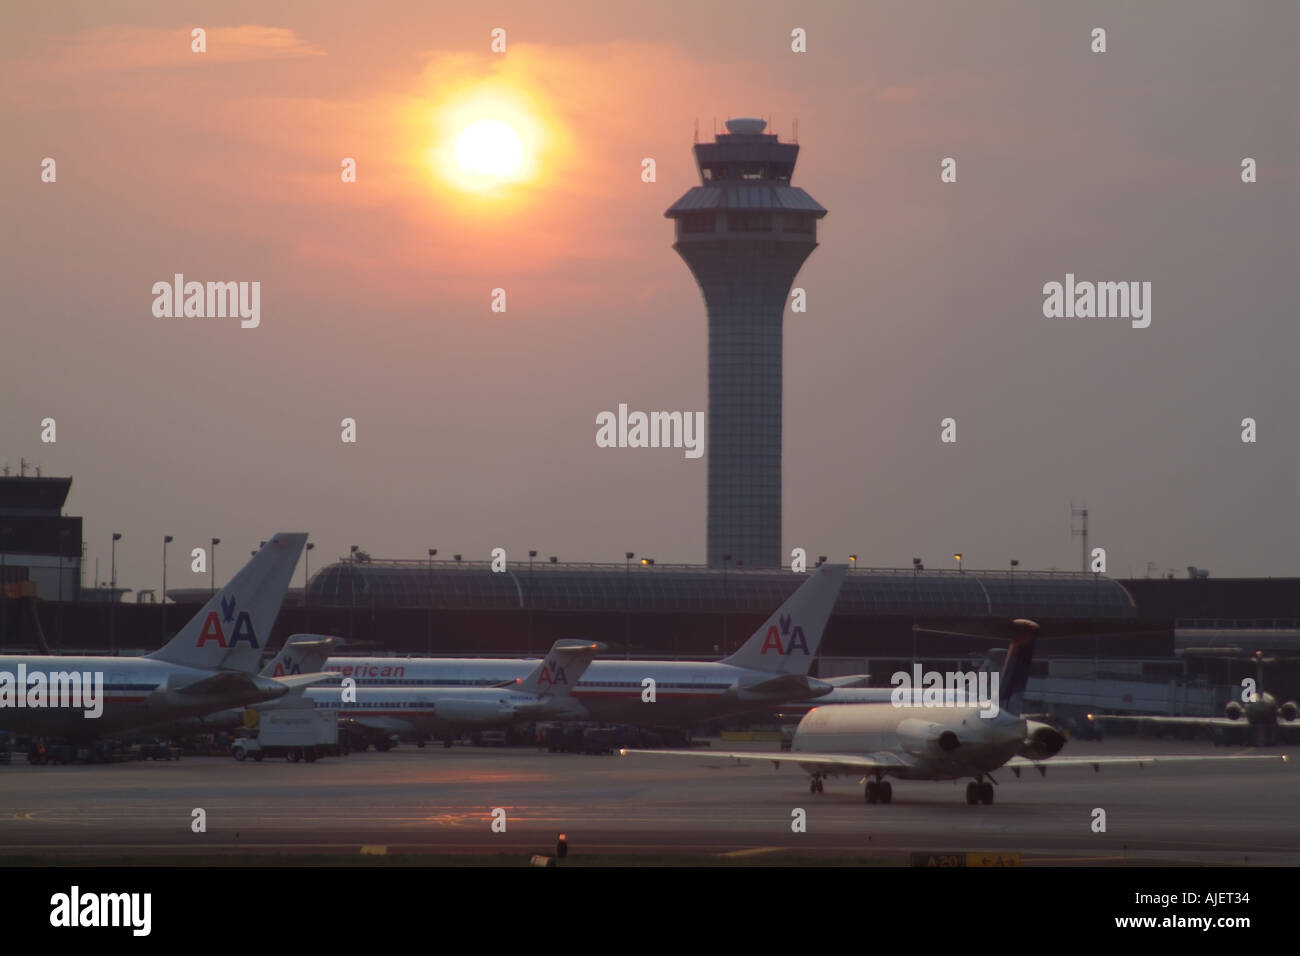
286, 665
795, 639
213, 631
552, 674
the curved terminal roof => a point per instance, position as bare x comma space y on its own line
612, 587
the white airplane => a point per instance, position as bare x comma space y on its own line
544, 694
1258, 710
208, 666
770, 668
939, 741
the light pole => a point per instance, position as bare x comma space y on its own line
650, 563
212, 565
428, 637
112, 593
531, 554
306, 582
112, 578
162, 597
917, 566
957, 558
627, 606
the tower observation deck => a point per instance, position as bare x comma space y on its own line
745, 233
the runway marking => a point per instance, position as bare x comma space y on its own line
372, 850
755, 851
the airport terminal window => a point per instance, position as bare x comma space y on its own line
802, 224
749, 221
698, 222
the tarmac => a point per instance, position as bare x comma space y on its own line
456, 801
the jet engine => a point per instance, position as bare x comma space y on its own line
926, 737
1289, 710
480, 712
1041, 741
1233, 710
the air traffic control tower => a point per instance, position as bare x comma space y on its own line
745, 232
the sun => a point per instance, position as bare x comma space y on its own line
490, 148
488, 141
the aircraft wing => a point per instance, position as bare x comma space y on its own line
389, 725
303, 680
881, 760
1174, 721
1017, 764
230, 683
785, 687
848, 680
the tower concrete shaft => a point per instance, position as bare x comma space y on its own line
744, 234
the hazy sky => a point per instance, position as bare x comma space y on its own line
477, 429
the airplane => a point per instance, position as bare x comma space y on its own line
915, 741
544, 694
769, 668
208, 666
1260, 710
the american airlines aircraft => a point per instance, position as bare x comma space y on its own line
544, 694
210, 665
916, 741
771, 667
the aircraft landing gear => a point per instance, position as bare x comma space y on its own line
879, 791
979, 791
816, 785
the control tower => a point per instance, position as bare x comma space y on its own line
745, 232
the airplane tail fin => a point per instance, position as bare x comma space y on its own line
231, 629
301, 654
561, 669
788, 641
1015, 668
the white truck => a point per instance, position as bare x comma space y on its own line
297, 733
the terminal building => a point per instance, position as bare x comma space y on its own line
40, 548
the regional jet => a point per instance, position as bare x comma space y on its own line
939, 741
1257, 710
771, 667
208, 666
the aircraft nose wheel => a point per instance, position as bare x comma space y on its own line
816, 785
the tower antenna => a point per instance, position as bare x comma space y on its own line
1081, 531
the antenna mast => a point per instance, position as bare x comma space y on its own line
1081, 531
